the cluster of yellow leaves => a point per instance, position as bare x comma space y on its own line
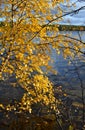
1, 106
40, 91
25, 46
54, 2
20, 54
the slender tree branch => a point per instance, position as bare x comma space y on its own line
74, 11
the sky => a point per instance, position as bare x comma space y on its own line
76, 19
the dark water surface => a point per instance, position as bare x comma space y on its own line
70, 76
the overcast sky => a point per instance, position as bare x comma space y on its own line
76, 19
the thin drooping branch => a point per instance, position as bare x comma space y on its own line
62, 47
57, 18
82, 89
64, 35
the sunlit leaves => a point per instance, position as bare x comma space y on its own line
25, 47
40, 91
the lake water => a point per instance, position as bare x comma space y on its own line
69, 74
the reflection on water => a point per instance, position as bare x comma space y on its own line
70, 74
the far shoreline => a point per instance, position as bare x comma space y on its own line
61, 27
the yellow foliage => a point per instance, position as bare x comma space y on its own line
39, 91
25, 47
